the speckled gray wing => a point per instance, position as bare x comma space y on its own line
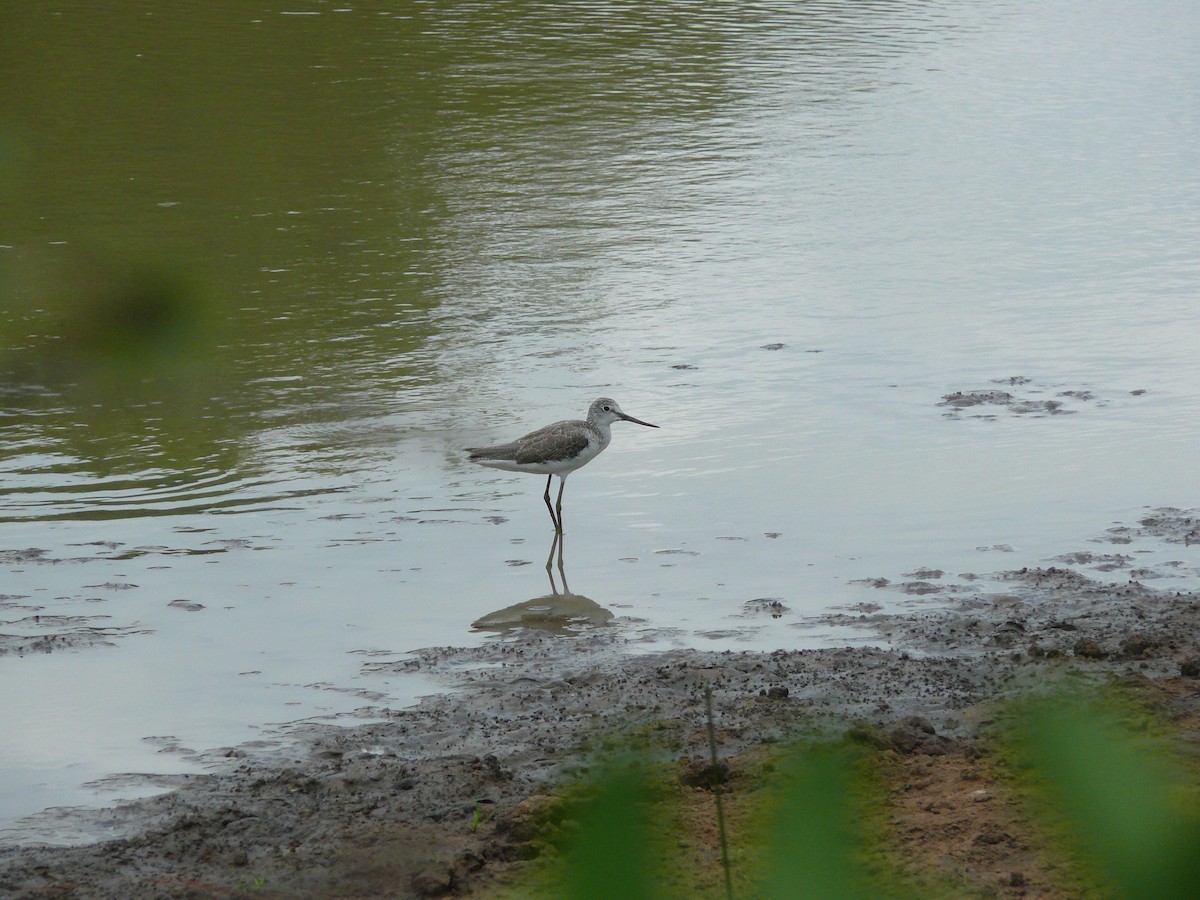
500, 451
554, 443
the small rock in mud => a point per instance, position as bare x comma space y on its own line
1088, 649
776, 692
919, 588
1060, 625
527, 819
924, 574
960, 400
919, 723
915, 734
872, 582
1053, 407
433, 881
1190, 668
1007, 634
700, 773
993, 834
772, 606
1137, 646
1075, 559
772, 346
493, 768
865, 608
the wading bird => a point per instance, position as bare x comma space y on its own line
557, 449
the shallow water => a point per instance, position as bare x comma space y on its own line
362, 242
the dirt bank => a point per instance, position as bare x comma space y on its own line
433, 799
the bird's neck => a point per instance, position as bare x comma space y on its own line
602, 431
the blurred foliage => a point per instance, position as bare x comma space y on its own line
817, 839
114, 362
114, 328
1091, 769
1122, 801
618, 840
611, 850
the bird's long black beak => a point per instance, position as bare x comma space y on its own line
636, 421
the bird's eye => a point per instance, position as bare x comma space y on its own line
608, 409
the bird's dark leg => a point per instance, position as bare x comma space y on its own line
557, 544
550, 559
562, 483
553, 518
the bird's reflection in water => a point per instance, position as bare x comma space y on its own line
559, 612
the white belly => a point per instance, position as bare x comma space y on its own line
560, 467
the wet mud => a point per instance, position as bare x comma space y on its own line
1022, 396
443, 798
26, 627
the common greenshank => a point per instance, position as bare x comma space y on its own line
557, 449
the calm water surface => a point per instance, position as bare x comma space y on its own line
265, 272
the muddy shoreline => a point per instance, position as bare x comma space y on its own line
433, 800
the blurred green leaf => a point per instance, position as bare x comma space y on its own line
816, 838
611, 852
1118, 795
